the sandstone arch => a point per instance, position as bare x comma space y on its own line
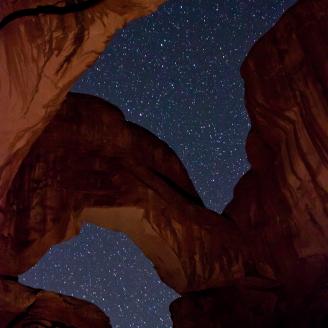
90, 164
267, 252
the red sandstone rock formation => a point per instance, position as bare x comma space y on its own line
41, 57
22, 306
281, 204
91, 165
264, 262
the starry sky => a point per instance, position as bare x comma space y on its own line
176, 73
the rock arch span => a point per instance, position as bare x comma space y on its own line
91, 165
262, 263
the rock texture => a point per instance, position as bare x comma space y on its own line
91, 165
22, 306
250, 303
40, 58
281, 204
262, 263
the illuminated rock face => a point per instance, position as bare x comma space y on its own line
41, 57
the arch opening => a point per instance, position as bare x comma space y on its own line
106, 268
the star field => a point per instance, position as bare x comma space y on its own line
176, 73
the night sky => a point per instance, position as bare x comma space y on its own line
177, 74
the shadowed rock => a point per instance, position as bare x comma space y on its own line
282, 202
280, 205
22, 306
263, 263
90, 165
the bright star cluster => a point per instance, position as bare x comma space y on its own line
176, 73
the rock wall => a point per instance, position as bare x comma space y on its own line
262, 263
90, 165
41, 56
22, 306
281, 204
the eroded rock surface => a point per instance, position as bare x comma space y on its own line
40, 58
22, 306
91, 165
263, 262
282, 202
